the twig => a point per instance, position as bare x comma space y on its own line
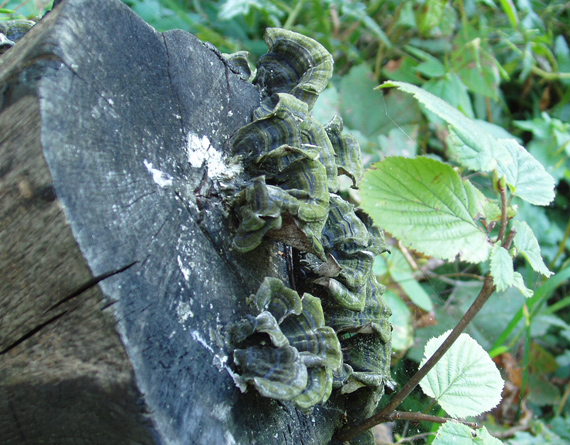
414, 438
384, 415
420, 417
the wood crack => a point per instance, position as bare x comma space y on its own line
78, 291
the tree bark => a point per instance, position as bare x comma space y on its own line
117, 280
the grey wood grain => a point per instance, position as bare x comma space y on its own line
117, 281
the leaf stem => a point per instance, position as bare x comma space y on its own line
561, 248
526, 360
293, 16
549, 76
384, 415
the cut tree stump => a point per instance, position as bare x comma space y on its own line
117, 281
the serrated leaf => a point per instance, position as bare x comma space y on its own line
451, 433
502, 269
526, 175
475, 148
450, 89
425, 204
465, 382
518, 282
527, 245
478, 150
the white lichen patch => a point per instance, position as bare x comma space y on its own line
220, 361
184, 312
201, 151
196, 336
161, 178
240, 383
185, 271
221, 411
229, 438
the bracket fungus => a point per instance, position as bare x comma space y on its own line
297, 362
291, 349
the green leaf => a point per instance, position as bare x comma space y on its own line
402, 69
474, 147
518, 282
527, 245
525, 175
370, 112
453, 91
432, 16
545, 291
502, 269
542, 392
485, 328
400, 141
425, 204
478, 70
451, 433
465, 382
511, 11
361, 15
402, 273
544, 437
326, 106
431, 68
401, 321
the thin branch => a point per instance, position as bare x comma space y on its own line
509, 239
419, 417
384, 415
414, 438
446, 277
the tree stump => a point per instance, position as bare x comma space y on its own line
117, 281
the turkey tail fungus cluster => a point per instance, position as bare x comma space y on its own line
291, 349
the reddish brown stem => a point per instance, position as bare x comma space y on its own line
384, 415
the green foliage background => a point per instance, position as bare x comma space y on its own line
505, 63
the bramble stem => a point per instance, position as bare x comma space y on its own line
388, 412
384, 415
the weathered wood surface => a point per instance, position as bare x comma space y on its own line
116, 275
